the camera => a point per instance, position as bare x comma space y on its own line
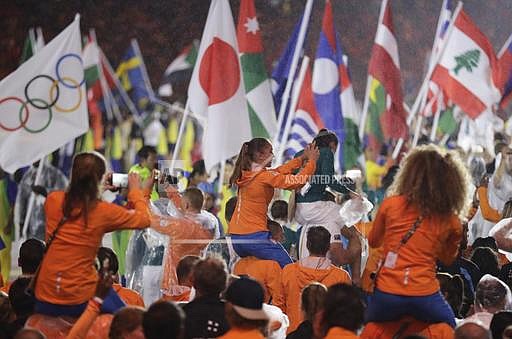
120, 180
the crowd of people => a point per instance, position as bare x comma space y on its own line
295, 251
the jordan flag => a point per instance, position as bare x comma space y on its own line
216, 91
257, 85
467, 71
386, 114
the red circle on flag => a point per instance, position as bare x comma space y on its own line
219, 72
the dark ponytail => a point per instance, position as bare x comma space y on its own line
247, 155
83, 190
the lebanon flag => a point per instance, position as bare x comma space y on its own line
43, 104
384, 68
468, 70
257, 85
216, 92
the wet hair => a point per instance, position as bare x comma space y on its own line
312, 300
452, 287
324, 138
113, 262
343, 307
434, 180
146, 151
195, 196
210, 276
500, 321
230, 208
485, 242
185, 267
83, 190
163, 319
486, 260
125, 321
279, 210
492, 294
31, 254
318, 240
248, 154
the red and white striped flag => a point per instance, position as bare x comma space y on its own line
467, 71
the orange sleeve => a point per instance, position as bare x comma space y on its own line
120, 218
450, 248
84, 323
376, 235
290, 166
168, 227
175, 197
274, 285
289, 181
488, 212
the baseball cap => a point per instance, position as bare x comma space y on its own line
246, 295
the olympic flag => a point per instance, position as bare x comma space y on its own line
43, 104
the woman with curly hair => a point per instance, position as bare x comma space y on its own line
417, 225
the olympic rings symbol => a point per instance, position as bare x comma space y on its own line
41, 104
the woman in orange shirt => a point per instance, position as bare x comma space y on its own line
417, 225
67, 277
256, 183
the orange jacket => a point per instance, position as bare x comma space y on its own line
267, 273
414, 273
489, 213
130, 297
387, 330
340, 333
256, 189
295, 277
237, 333
68, 275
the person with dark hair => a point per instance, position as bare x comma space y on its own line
129, 296
343, 312
316, 206
7, 316
256, 184
127, 323
418, 224
198, 174
22, 303
245, 313
184, 271
30, 256
144, 168
472, 330
29, 333
205, 316
316, 267
452, 288
76, 222
312, 302
163, 319
279, 212
486, 260
500, 321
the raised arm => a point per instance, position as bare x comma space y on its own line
291, 165
290, 181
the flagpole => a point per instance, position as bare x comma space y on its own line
424, 85
121, 90
145, 76
32, 37
293, 107
221, 179
293, 68
435, 123
505, 46
180, 136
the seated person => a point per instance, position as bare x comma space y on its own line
184, 271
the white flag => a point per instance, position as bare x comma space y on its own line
43, 104
216, 91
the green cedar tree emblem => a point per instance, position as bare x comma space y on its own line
467, 60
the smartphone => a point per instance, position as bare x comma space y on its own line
120, 180
353, 174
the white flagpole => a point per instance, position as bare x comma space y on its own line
505, 46
433, 63
180, 136
293, 69
221, 179
435, 123
136, 48
291, 112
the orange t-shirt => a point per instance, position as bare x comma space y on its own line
489, 213
130, 297
340, 333
256, 190
68, 275
436, 238
237, 333
387, 330
295, 277
267, 273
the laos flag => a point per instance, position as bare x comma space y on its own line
326, 81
